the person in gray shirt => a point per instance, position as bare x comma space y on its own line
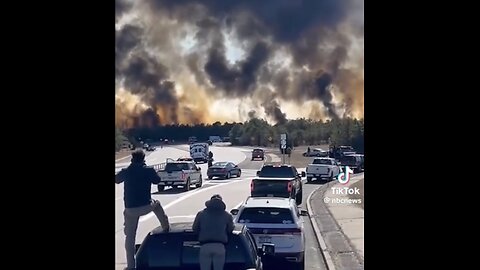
213, 226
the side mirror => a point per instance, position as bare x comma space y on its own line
303, 212
137, 247
234, 212
267, 249
258, 173
304, 174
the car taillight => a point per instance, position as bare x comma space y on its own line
184, 175
289, 187
251, 186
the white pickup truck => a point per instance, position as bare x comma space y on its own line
179, 173
323, 168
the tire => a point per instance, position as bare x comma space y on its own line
299, 197
239, 173
187, 185
228, 176
309, 179
300, 265
210, 177
199, 184
160, 188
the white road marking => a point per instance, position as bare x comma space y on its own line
151, 214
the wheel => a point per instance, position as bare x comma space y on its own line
210, 177
300, 265
239, 173
228, 176
309, 179
160, 188
298, 197
187, 185
199, 184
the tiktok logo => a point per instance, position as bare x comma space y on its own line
344, 177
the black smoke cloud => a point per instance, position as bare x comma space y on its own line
252, 114
308, 30
240, 79
144, 76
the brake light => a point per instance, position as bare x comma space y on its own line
251, 186
184, 175
289, 187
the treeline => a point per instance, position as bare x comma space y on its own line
300, 132
258, 132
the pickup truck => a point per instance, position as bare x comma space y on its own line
278, 181
354, 161
179, 173
323, 168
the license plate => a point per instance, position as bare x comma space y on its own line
264, 239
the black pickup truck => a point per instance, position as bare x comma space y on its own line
179, 249
278, 181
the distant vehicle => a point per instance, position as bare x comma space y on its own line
258, 153
215, 139
180, 173
192, 139
277, 221
224, 170
354, 161
316, 152
323, 168
179, 249
278, 181
185, 159
340, 151
199, 152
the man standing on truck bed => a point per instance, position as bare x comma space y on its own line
138, 180
213, 226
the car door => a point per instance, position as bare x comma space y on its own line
335, 168
194, 174
236, 170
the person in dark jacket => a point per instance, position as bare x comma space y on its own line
210, 159
138, 180
213, 225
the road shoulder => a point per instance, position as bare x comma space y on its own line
338, 226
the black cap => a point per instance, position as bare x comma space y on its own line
216, 197
138, 156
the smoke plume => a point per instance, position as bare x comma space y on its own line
177, 56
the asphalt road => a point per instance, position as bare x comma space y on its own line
183, 206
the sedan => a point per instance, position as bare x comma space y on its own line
224, 170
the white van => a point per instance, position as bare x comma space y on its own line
199, 152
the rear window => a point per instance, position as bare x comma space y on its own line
220, 164
266, 215
322, 161
175, 167
270, 188
270, 171
348, 159
182, 249
257, 150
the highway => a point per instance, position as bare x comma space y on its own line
183, 206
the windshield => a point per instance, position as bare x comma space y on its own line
270, 171
175, 167
322, 161
266, 215
220, 164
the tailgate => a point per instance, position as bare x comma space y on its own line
171, 176
317, 169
